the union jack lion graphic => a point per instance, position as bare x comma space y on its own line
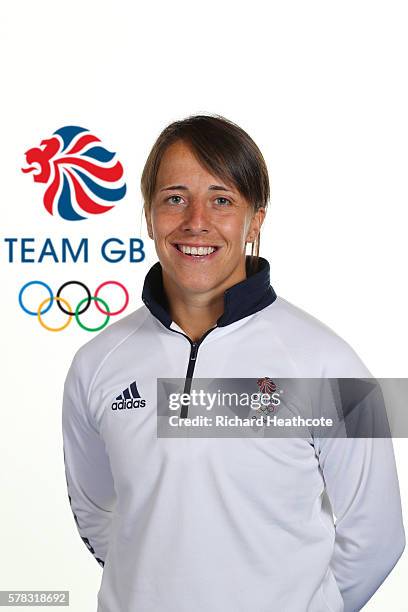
83, 178
266, 385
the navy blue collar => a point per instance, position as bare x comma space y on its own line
241, 300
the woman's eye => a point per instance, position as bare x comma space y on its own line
172, 198
224, 201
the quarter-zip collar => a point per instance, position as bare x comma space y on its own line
241, 300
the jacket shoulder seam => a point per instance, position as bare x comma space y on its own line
108, 355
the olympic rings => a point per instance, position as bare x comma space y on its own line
84, 303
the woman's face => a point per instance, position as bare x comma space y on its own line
193, 208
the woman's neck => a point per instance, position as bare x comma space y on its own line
195, 314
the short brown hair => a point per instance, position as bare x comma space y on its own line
224, 149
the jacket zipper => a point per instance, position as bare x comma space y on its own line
191, 365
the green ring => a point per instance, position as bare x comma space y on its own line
92, 329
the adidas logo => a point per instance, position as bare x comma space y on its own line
129, 398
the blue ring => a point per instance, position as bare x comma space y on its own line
20, 295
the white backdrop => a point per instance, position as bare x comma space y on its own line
322, 89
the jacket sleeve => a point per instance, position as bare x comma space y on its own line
88, 475
362, 484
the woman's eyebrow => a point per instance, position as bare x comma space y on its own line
213, 187
219, 188
174, 187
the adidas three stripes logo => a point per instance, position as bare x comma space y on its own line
129, 392
129, 398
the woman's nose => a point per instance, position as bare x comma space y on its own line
196, 216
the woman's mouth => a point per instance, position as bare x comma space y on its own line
196, 252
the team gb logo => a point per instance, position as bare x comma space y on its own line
83, 178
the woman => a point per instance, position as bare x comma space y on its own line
231, 524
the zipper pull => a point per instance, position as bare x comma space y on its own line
194, 348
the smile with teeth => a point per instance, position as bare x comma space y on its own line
197, 251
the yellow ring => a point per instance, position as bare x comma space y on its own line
54, 329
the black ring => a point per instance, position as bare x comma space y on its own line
88, 293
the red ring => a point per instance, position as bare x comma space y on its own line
119, 285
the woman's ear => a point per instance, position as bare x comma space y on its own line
256, 223
148, 222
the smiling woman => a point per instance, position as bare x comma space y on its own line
222, 149
234, 522
206, 189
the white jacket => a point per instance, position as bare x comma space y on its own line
223, 524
